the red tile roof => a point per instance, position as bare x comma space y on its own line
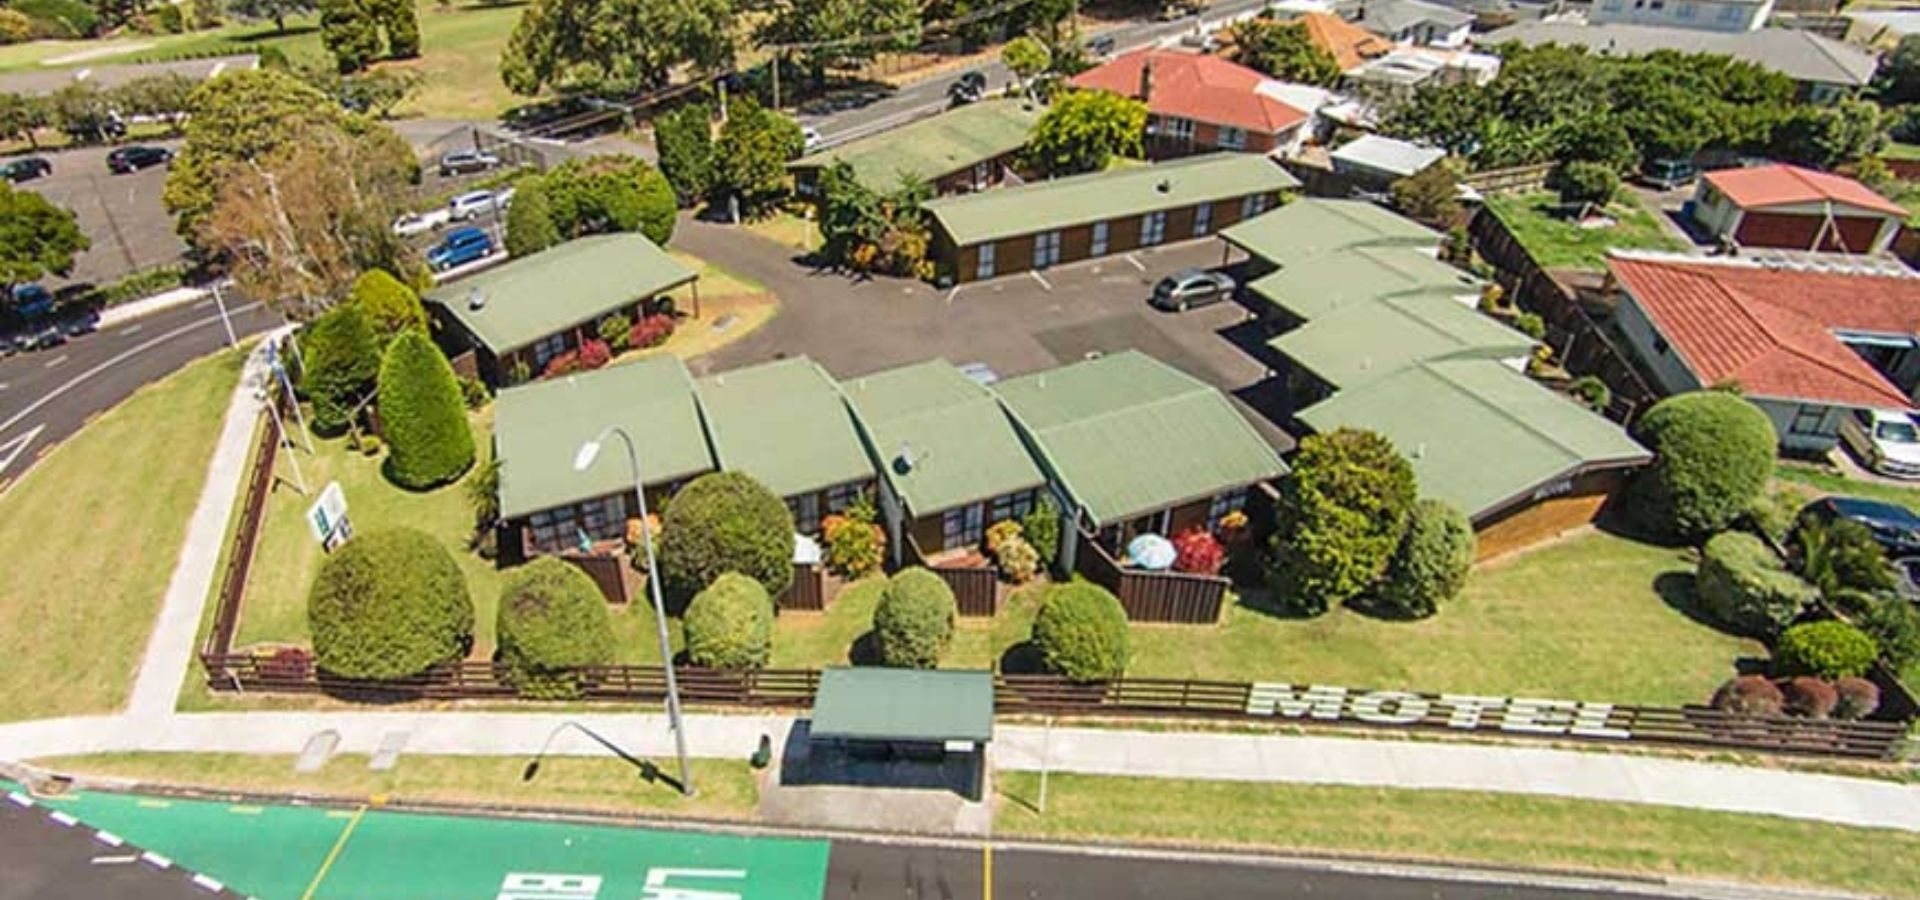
1198, 87
1772, 330
1781, 184
1348, 44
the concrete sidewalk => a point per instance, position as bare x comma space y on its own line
165, 300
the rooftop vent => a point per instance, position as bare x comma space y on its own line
1164, 186
476, 299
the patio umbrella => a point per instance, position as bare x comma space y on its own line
1151, 551
806, 551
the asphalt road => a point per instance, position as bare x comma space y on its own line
49, 394
41, 859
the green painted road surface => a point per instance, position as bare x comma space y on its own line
308, 853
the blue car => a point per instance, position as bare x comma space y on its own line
31, 301
459, 247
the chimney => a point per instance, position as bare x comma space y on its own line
1146, 79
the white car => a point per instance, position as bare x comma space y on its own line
412, 224
470, 204
811, 138
1887, 442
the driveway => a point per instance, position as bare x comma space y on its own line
1014, 324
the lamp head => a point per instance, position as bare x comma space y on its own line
588, 452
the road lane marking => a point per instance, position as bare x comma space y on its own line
133, 329
54, 361
334, 854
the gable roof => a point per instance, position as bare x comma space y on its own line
1348, 44
1309, 227
538, 428
1374, 338
785, 424
1394, 16
1127, 434
1101, 196
964, 449
935, 146
1478, 434
1772, 330
1780, 184
1196, 86
1318, 285
1796, 53
1385, 155
569, 284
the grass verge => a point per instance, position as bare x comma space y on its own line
1557, 243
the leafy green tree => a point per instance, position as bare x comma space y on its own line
751, 156
350, 32
389, 604
161, 97
1584, 182
342, 357
1342, 512
275, 11
530, 226
82, 111
1453, 117
400, 19
1283, 50
37, 238
1713, 455
603, 194
842, 34
867, 231
614, 45
552, 620
1084, 130
1829, 649
1430, 566
15, 27
913, 624
725, 522
1597, 138
684, 139
391, 306
1826, 136
1081, 632
1897, 81
729, 625
21, 118
422, 414
1431, 195
1027, 57
1041, 528
1842, 556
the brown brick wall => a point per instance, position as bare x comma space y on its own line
1015, 254
1529, 523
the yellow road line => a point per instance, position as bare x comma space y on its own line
986, 871
334, 854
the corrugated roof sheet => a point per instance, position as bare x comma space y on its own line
539, 427
1371, 339
1309, 227
964, 449
1127, 434
934, 146
1478, 433
785, 424
1386, 155
1314, 286
534, 296
927, 705
1099, 196
1796, 53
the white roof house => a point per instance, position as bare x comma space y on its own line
1384, 157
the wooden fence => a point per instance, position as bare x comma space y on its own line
1515, 180
233, 581
976, 589
1178, 597
808, 591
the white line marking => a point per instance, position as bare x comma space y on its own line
1136, 263
1036, 276
66, 821
19, 799
112, 860
133, 329
108, 838
209, 883
54, 361
156, 860
950, 295
18, 446
203, 304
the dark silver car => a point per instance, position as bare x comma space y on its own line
1188, 288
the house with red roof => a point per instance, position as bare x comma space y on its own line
1198, 103
1791, 208
1806, 343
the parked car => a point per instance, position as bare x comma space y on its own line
1100, 46
136, 157
1201, 40
462, 162
1886, 442
1189, 288
26, 168
459, 247
970, 87
470, 204
1668, 174
85, 323
1894, 527
45, 338
412, 224
811, 136
31, 301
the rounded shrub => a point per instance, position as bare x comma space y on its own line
388, 604
1814, 698
1894, 625
342, 357
730, 624
552, 619
393, 307
1041, 528
1744, 586
913, 623
1856, 698
530, 226
1341, 512
1018, 561
1584, 182
725, 522
1829, 649
1713, 454
1430, 565
1749, 695
1081, 632
423, 414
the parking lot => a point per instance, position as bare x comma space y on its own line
122, 214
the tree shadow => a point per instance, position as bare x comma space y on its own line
1022, 659
272, 34
1266, 602
865, 650
1678, 592
1372, 608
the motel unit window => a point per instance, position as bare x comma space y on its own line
962, 526
562, 528
1229, 502
1153, 228
984, 268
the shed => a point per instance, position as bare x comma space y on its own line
785, 424
931, 715
1383, 158
1791, 208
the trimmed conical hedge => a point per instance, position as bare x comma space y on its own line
422, 415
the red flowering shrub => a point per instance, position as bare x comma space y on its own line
650, 331
1196, 550
564, 364
1857, 698
1812, 697
1749, 695
594, 353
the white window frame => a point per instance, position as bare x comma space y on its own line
963, 526
1252, 205
1098, 247
983, 266
1153, 228
1818, 425
1222, 504
1202, 219
1177, 127
1046, 249
1232, 138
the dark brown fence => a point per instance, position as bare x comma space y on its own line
976, 589
1177, 597
612, 573
233, 581
807, 592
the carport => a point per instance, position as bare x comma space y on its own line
923, 719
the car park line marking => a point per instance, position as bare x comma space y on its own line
1136, 263
203, 304
133, 329
986, 872
1036, 276
120, 860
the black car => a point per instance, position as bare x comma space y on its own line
137, 157
968, 88
26, 168
1895, 528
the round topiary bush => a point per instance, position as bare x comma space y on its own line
1431, 563
1713, 454
730, 624
1829, 649
1857, 698
388, 604
1807, 696
914, 621
1341, 512
552, 619
392, 306
1749, 695
725, 522
423, 414
1744, 586
1081, 632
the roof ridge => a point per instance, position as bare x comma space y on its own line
1432, 365
1877, 385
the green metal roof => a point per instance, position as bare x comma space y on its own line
1101, 196
538, 427
1477, 432
875, 703
529, 298
1369, 339
963, 448
785, 424
1314, 286
934, 146
1127, 434
1307, 228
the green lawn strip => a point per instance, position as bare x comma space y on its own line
1898, 150
92, 535
1560, 243
194, 693
1461, 826
1815, 481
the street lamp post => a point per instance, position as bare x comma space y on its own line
589, 452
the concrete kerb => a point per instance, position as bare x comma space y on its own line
161, 302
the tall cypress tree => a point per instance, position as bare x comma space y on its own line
422, 415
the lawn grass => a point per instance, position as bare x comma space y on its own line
1898, 150
1462, 826
787, 230
92, 534
1812, 480
726, 787
1557, 243
815, 640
